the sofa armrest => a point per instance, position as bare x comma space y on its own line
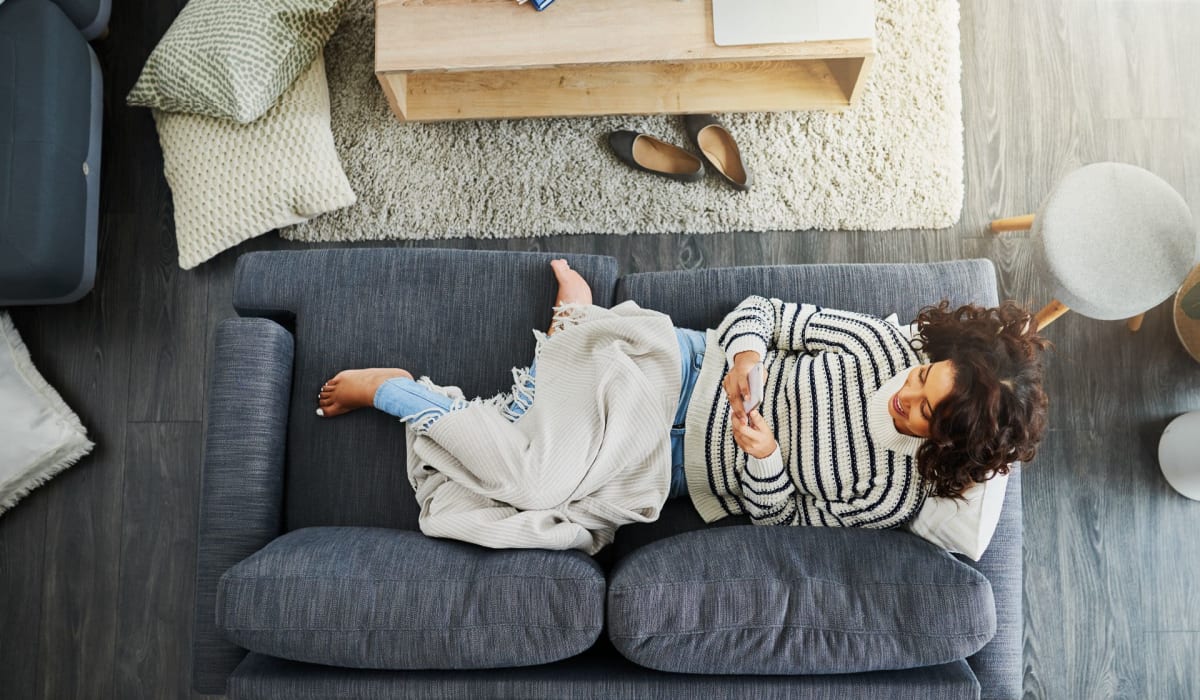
999, 665
241, 507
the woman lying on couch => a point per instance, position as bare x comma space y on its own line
857, 425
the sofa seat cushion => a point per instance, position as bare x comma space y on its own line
780, 600
394, 599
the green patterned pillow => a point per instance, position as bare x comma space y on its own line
232, 59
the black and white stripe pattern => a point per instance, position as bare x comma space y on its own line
829, 376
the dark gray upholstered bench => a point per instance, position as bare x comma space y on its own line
309, 555
51, 109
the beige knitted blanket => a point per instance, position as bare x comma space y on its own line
591, 453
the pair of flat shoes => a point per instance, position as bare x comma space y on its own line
717, 148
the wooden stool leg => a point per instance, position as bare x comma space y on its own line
1049, 313
1135, 323
1016, 223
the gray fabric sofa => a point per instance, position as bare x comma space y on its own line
277, 481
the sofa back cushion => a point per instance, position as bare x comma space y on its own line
464, 318
777, 600
395, 599
700, 298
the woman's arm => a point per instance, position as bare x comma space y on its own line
758, 324
771, 498
882, 504
745, 335
768, 491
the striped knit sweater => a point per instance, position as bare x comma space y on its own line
829, 377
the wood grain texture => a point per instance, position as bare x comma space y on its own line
1111, 559
491, 59
1012, 223
84, 351
162, 478
22, 539
167, 302
395, 90
1174, 676
451, 35
1082, 604
628, 88
1169, 561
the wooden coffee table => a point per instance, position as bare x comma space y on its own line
493, 59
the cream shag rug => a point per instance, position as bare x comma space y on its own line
894, 161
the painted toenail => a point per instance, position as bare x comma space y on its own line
321, 412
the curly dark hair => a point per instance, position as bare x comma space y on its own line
996, 412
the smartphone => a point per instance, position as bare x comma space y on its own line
755, 378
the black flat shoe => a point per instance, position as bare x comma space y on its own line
719, 150
650, 155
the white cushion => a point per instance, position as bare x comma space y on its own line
39, 435
962, 527
231, 182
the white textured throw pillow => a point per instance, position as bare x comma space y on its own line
962, 527
39, 435
231, 182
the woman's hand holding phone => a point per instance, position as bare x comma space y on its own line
743, 384
755, 437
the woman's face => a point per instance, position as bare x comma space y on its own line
912, 407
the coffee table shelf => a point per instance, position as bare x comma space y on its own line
494, 59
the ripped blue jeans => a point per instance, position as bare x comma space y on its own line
408, 400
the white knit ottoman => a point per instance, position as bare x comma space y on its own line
1116, 241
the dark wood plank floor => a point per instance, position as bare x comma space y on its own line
96, 567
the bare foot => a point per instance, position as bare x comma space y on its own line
353, 388
572, 288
